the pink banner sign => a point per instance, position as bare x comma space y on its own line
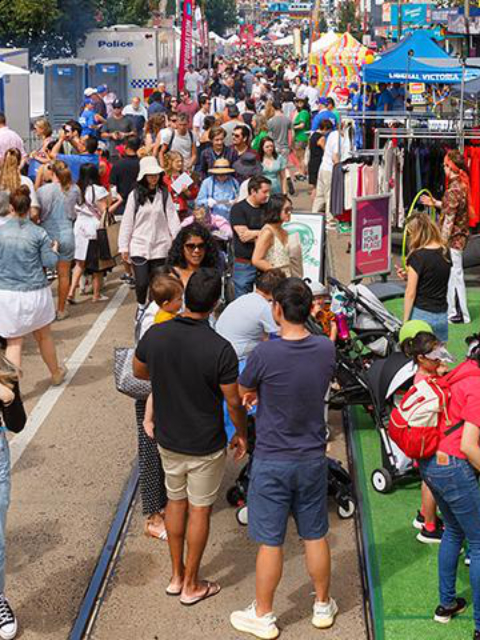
186, 42
371, 236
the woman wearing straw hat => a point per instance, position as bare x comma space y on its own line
148, 226
219, 191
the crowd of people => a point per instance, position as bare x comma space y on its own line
195, 183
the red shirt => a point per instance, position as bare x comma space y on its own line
464, 405
190, 109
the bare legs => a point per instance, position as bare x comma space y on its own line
14, 351
46, 345
267, 578
185, 522
63, 271
270, 567
78, 269
97, 280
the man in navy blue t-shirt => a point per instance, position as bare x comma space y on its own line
289, 378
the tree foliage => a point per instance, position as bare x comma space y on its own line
50, 28
348, 18
221, 15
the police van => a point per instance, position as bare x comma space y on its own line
150, 52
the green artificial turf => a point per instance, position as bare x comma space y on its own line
404, 571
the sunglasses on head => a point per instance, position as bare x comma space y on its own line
195, 246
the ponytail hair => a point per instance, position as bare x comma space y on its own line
63, 174
419, 345
10, 175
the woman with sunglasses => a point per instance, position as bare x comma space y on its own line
148, 225
194, 247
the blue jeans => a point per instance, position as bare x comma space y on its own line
438, 322
243, 278
4, 501
455, 488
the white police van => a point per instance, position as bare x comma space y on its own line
150, 51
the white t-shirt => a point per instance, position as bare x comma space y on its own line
198, 120
24, 180
313, 95
182, 144
331, 147
290, 74
245, 322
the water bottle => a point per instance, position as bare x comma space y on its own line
342, 325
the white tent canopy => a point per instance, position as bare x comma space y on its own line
11, 70
324, 42
288, 40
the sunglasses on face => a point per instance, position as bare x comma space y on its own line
194, 246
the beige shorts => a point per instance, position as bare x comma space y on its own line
197, 478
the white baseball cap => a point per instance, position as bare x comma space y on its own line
89, 91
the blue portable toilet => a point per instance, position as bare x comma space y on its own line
65, 82
112, 73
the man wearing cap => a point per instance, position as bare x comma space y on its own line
88, 119
219, 191
117, 129
327, 112
100, 107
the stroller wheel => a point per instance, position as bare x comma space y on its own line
242, 515
235, 497
382, 480
346, 509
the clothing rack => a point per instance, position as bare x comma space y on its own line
416, 134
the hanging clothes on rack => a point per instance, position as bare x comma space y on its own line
472, 157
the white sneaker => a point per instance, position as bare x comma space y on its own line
8, 622
324, 614
263, 627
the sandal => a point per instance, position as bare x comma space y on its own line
151, 533
213, 588
72, 301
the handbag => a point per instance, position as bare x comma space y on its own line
125, 381
107, 236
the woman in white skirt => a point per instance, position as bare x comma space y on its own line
26, 300
94, 201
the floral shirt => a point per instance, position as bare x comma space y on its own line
454, 216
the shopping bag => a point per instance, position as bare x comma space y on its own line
125, 381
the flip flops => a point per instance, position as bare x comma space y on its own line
213, 588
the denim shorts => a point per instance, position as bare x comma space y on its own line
438, 322
280, 488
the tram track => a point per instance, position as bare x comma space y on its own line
95, 594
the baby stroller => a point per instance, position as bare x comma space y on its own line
387, 379
339, 484
374, 335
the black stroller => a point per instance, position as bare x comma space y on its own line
387, 378
339, 484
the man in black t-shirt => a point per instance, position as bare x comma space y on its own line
192, 370
125, 171
246, 220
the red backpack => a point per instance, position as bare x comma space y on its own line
415, 424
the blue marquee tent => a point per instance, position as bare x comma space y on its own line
417, 58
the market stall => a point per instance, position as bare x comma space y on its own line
338, 66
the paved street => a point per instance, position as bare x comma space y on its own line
70, 467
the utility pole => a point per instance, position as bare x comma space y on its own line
467, 24
399, 20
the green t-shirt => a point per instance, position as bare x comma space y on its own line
301, 135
